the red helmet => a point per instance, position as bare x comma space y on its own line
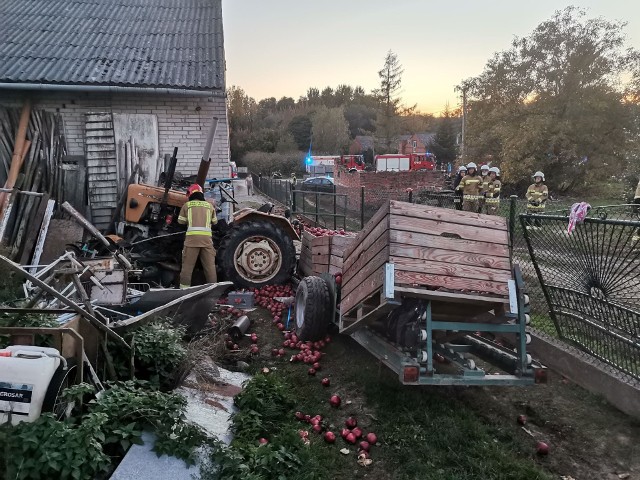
193, 189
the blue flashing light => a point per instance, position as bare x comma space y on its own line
308, 160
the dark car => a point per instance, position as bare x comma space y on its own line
318, 184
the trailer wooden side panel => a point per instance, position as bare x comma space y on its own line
431, 248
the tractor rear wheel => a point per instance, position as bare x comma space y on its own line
255, 254
313, 310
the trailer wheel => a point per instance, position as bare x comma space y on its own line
255, 254
313, 309
53, 401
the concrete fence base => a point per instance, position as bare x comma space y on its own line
591, 374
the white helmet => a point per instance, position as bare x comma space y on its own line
462, 169
485, 167
538, 174
495, 170
472, 165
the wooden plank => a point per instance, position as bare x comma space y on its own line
361, 274
373, 223
447, 256
320, 259
370, 285
466, 232
108, 125
100, 147
318, 241
35, 222
93, 134
450, 269
336, 261
320, 250
350, 267
98, 117
42, 235
333, 269
451, 283
445, 243
448, 215
366, 244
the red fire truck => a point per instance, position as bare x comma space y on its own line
351, 162
403, 163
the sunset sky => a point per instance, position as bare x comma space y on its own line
281, 47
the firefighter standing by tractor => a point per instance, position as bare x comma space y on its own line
484, 173
198, 215
492, 192
537, 195
457, 199
471, 187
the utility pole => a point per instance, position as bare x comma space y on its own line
463, 150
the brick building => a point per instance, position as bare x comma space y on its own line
415, 143
162, 60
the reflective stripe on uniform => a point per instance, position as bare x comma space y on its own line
492, 200
472, 197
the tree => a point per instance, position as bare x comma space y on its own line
555, 101
300, 129
326, 97
242, 109
330, 130
360, 118
388, 95
286, 103
444, 145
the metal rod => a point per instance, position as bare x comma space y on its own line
362, 207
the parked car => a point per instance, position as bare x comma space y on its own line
318, 184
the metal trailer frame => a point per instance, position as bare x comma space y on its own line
418, 367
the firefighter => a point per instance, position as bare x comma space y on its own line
471, 187
492, 194
484, 173
198, 215
294, 180
457, 199
537, 195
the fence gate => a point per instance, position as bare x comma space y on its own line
591, 281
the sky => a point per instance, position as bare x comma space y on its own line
278, 48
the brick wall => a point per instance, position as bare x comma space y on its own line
381, 186
183, 121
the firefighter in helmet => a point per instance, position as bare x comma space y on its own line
471, 187
492, 193
198, 215
537, 195
484, 173
457, 198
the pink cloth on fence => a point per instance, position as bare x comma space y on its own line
578, 213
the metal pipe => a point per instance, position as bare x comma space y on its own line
206, 155
110, 89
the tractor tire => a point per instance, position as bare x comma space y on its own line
61, 379
313, 312
255, 254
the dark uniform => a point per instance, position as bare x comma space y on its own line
199, 215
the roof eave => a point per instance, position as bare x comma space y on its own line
214, 92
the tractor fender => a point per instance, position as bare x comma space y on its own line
251, 215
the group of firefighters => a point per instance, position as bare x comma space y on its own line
480, 192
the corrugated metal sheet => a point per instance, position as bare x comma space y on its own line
102, 170
144, 43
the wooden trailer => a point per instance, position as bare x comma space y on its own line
423, 285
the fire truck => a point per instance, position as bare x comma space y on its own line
321, 164
351, 162
403, 163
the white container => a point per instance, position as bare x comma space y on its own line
24, 380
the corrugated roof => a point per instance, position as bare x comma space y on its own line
135, 43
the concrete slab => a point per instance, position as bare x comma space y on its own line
141, 462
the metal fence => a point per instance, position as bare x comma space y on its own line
590, 278
325, 209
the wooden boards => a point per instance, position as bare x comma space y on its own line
438, 249
322, 254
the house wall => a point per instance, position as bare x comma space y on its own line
406, 146
183, 121
381, 186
